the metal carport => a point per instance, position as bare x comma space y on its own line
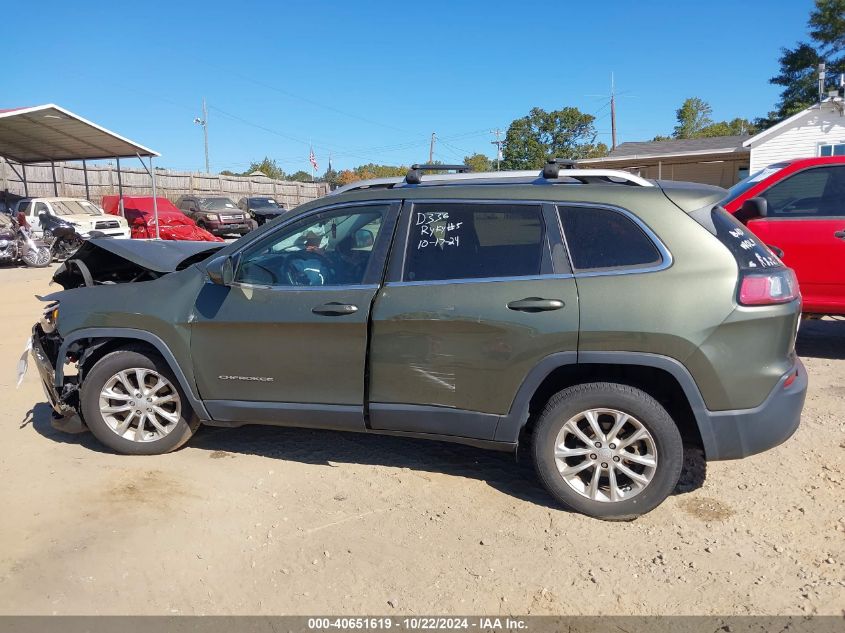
50, 134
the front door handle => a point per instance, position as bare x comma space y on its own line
840, 235
535, 304
335, 309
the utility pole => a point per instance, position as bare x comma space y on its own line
431, 149
498, 143
204, 123
612, 113
822, 75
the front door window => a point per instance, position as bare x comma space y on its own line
331, 249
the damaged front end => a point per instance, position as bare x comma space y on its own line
62, 367
112, 261
46, 349
62, 358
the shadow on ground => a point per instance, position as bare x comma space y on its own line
821, 338
327, 448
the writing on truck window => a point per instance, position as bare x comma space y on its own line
437, 231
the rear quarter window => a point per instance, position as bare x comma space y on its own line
748, 251
602, 239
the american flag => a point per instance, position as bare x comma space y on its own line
313, 160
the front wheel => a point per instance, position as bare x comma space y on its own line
133, 404
38, 257
607, 450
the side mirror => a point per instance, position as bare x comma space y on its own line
364, 238
753, 208
220, 270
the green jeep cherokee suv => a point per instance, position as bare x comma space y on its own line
596, 320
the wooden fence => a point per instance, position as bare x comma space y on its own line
102, 180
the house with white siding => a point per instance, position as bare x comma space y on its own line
816, 131
724, 160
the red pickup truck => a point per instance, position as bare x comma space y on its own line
798, 207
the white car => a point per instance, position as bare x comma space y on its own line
84, 215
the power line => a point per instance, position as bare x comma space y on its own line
299, 97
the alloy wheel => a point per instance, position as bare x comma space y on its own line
605, 455
140, 405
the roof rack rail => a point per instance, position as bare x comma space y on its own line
565, 176
414, 175
553, 166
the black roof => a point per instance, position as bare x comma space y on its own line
679, 146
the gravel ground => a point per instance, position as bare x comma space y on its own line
285, 521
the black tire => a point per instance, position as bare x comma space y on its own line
572, 401
101, 372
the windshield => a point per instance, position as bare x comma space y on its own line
263, 203
749, 181
74, 207
216, 203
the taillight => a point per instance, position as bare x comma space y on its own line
759, 289
790, 379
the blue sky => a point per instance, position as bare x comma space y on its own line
370, 81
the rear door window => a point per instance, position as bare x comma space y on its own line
604, 239
473, 240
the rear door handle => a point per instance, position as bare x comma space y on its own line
840, 235
535, 304
335, 309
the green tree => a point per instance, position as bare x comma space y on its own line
268, 167
694, 122
369, 171
479, 162
565, 133
300, 176
734, 127
827, 26
799, 79
693, 116
799, 66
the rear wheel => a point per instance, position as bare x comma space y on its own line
38, 257
607, 450
134, 405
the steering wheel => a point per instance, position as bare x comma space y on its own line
296, 276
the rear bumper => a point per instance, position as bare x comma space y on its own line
739, 433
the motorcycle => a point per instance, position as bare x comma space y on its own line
17, 244
61, 236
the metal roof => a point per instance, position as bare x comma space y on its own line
50, 133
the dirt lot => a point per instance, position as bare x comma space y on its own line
284, 521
